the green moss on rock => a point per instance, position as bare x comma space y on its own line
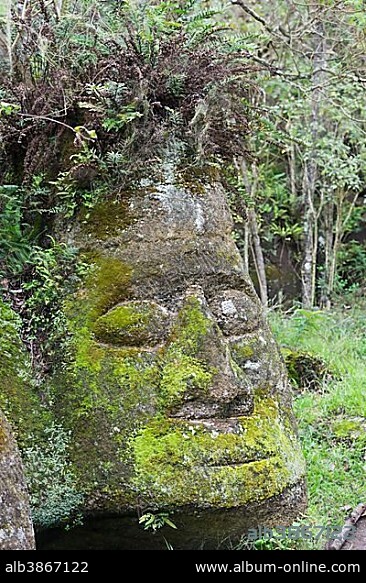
244, 351
180, 463
183, 378
305, 370
184, 375
117, 400
192, 327
122, 388
18, 398
132, 324
107, 219
106, 285
103, 395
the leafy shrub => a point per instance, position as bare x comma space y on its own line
352, 265
155, 522
55, 497
155, 71
15, 234
93, 95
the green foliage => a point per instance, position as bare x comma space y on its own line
15, 234
54, 272
352, 266
152, 74
275, 542
309, 320
125, 116
276, 206
8, 108
48, 273
41, 269
312, 129
155, 522
331, 422
19, 390
291, 332
55, 497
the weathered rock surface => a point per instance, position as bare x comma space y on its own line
16, 531
177, 397
174, 394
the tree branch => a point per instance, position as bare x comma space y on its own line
257, 17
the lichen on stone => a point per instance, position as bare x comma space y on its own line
16, 531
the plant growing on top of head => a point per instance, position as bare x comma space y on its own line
155, 72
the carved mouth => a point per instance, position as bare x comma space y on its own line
227, 425
196, 411
229, 450
217, 466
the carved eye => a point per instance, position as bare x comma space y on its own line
236, 312
133, 324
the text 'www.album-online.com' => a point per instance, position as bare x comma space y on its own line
301, 567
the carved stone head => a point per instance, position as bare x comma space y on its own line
176, 394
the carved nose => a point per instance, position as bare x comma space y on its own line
228, 393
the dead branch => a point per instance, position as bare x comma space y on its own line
337, 544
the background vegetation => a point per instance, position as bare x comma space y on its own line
94, 94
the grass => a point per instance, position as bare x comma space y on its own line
332, 421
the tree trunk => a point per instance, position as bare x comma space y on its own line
292, 173
6, 52
308, 268
334, 234
258, 256
308, 271
257, 251
328, 246
246, 248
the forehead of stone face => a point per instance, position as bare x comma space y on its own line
167, 239
169, 236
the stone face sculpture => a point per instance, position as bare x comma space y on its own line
176, 395
16, 531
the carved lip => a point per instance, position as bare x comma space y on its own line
217, 423
217, 466
229, 426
